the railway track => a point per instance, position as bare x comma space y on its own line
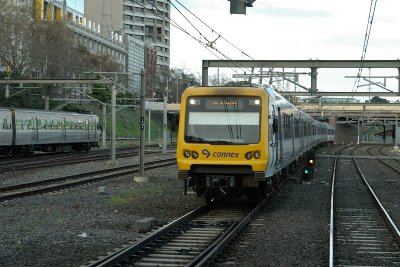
361, 230
195, 239
394, 162
62, 159
59, 183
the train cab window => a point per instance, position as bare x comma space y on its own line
223, 120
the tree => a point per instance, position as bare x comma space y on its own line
15, 42
44, 49
102, 93
53, 51
223, 79
377, 99
179, 80
176, 80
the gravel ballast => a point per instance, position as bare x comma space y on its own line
75, 226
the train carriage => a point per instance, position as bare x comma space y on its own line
37, 130
236, 140
5, 131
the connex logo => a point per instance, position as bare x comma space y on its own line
206, 153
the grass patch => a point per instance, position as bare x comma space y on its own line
132, 195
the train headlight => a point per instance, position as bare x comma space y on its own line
257, 155
194, 101
186, 154
254, 102
248, 155
195, 155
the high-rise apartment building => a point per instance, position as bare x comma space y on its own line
147, 21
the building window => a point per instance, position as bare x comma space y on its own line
149, 29
139, 9
139, 28
139, 19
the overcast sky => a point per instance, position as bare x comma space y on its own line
290, 29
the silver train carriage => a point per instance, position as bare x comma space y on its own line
24, 131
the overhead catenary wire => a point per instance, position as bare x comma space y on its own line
179, 27
371, 15
212, 43
219, 35
209, 45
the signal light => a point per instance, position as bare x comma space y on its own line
311, 161
239, 6
307, 174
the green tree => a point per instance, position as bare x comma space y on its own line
16, 30
102, 93
377, 99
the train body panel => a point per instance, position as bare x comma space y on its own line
49, 131
5, 131
236, 139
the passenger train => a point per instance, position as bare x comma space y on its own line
24, 131
235, 141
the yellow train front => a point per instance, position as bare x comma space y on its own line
222, 147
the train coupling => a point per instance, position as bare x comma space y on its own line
220, 181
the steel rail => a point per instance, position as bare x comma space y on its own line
381, 208
62, 159
219, 245
331, 225
381, 160
113, 259
7, 192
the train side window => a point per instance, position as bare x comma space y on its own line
275, 125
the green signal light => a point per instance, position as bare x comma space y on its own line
306, 171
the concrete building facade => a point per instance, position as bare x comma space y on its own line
147, 21
87, 32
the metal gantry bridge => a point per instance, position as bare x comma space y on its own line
365, 111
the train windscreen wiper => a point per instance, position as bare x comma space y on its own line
189, 138
221, 142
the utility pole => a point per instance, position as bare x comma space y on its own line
46, 103
113, 121
141, 177
104, 124
177, 83
7, 92
396, 135
164, 147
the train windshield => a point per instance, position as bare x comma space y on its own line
223, 120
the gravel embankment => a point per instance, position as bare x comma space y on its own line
75, 226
